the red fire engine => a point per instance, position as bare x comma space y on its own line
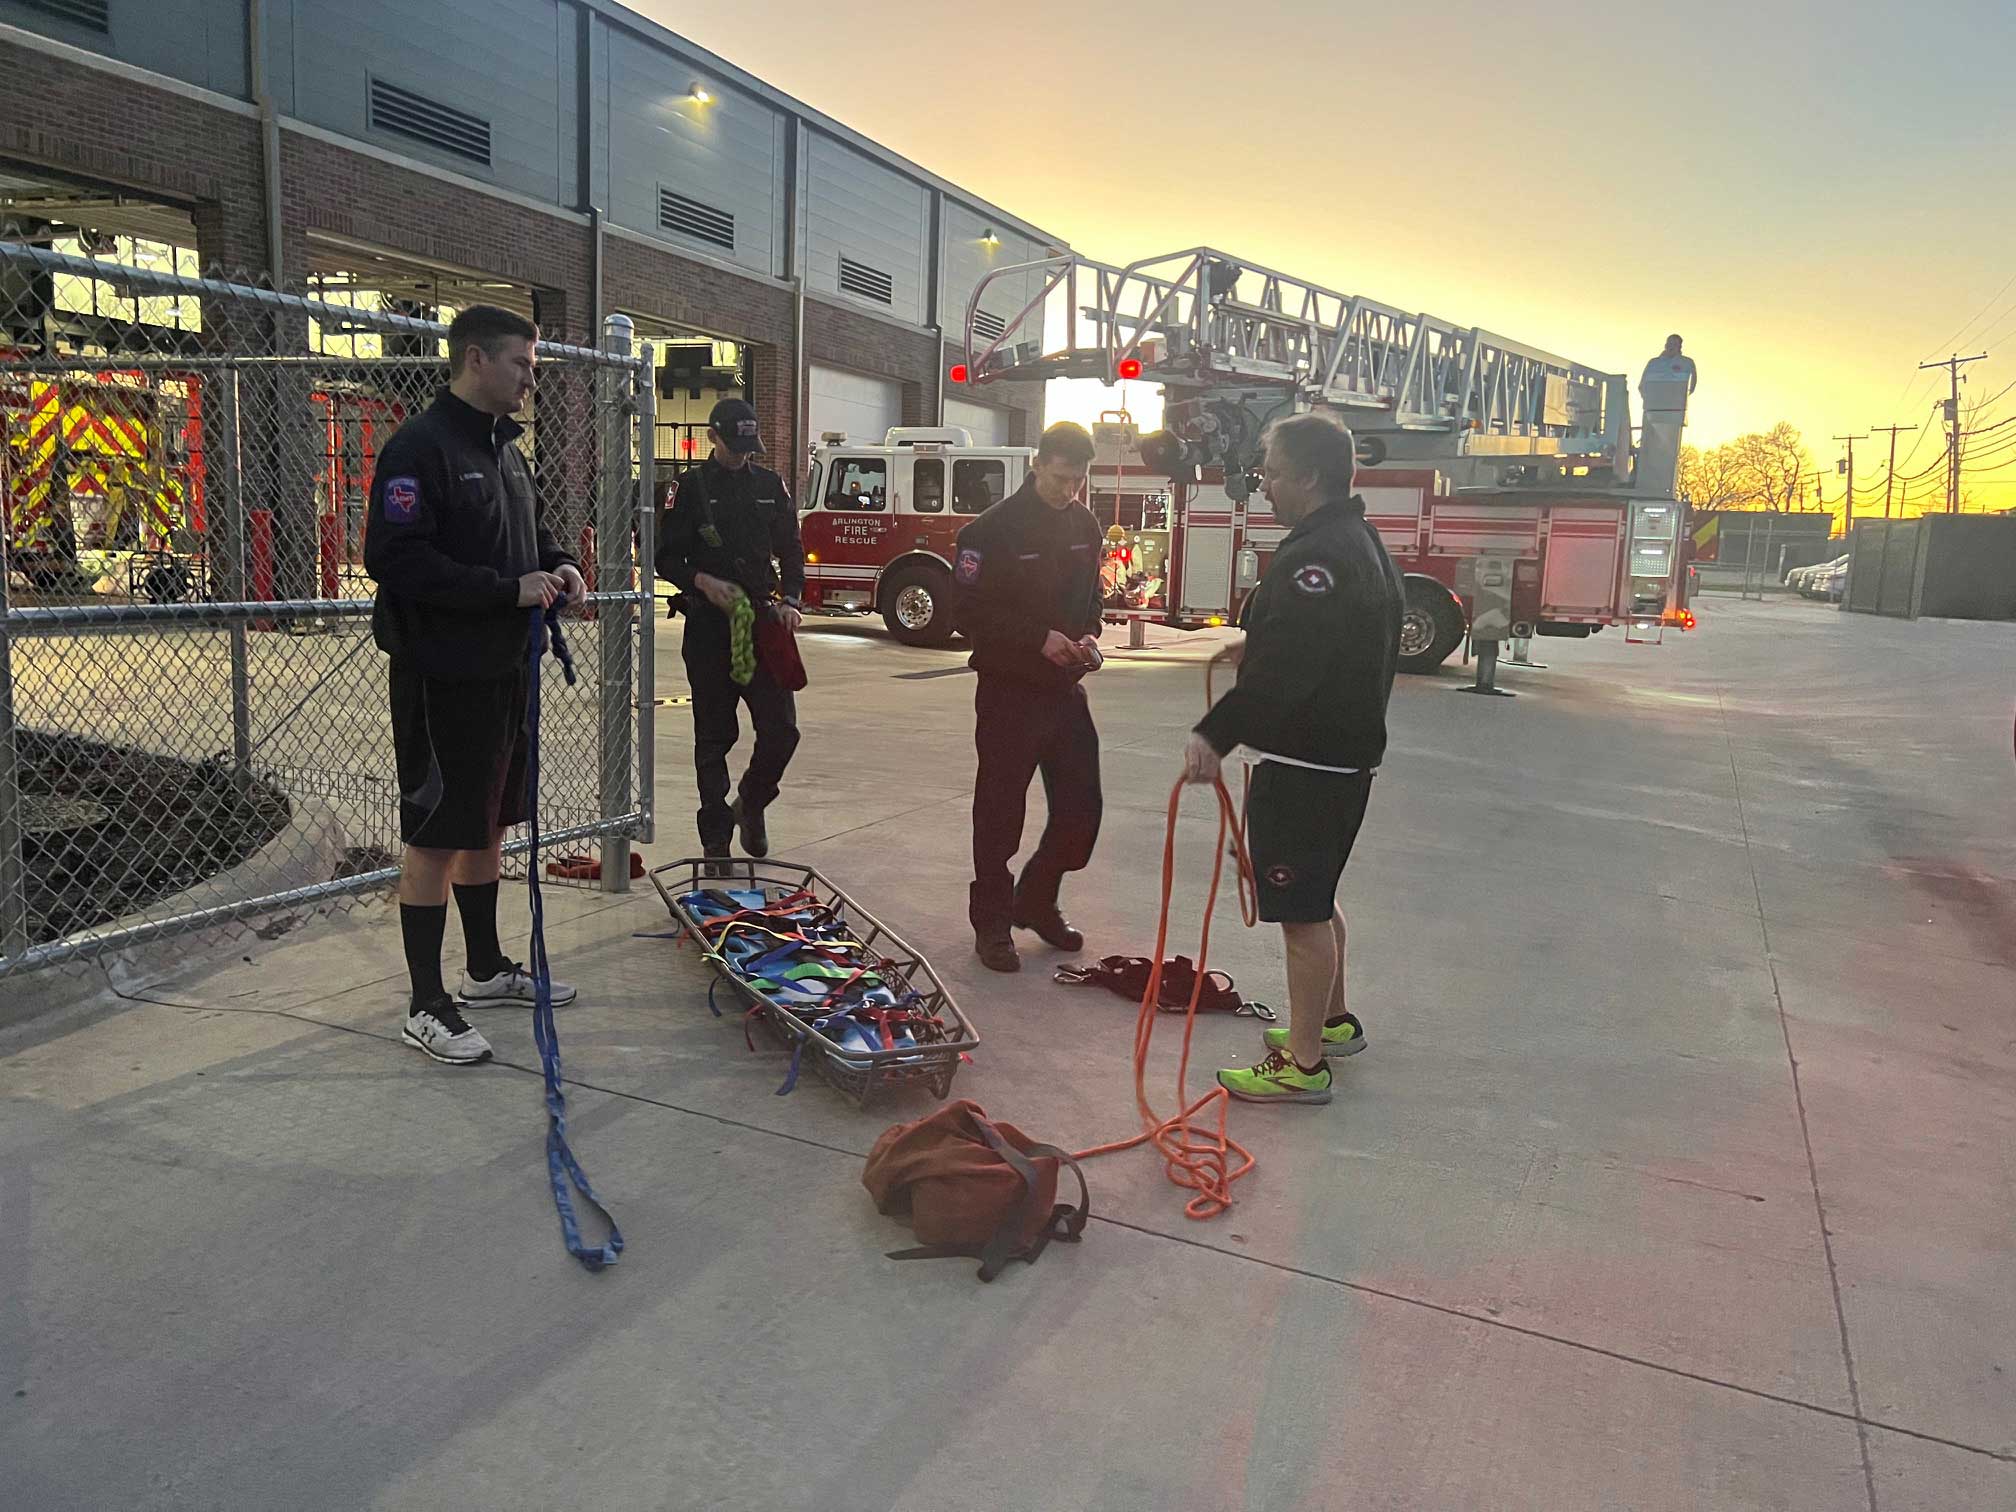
1473, 448
880, 518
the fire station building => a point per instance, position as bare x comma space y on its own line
568, 158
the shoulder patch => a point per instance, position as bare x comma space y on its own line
968, 571
402, 499
1315, 578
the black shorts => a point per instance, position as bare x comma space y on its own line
1300, 827
461, 749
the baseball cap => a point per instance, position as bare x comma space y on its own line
735, 419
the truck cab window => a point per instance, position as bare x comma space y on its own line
978, 485
857, 483
927, 485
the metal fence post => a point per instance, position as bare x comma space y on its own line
231, 477
616, 412
13, 859
647, 619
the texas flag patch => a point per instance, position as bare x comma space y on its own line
402, 499
1314, 579
968, 571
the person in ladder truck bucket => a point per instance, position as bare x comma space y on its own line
730, 545
1315, 674
1026, 593
459, 550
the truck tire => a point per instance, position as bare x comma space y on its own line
917, 605
1431, 626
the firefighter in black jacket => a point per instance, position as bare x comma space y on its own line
1315, 673
1026, 593
732, 525
463, 561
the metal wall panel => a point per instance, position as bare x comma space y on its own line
200, 42
969, 256
727, 154
495, 59
858, 209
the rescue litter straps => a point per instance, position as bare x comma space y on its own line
800, 958
561, 1166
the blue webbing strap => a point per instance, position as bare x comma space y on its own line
561, 1166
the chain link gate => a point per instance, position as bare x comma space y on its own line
193, 715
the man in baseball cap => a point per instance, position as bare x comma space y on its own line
731, 530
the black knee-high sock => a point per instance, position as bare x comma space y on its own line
478, 907
422, 926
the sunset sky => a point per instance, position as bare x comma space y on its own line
1816, 195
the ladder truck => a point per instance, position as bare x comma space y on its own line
1481, 459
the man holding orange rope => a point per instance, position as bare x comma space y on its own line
1315, 674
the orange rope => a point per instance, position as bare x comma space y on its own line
1199, 1159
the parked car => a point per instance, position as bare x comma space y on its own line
1809, 580
1834, 583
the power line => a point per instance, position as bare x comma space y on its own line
1983, 407
1950, 342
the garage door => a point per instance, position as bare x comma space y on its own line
861, 406
988, 424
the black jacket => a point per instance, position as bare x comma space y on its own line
754, 538
453, 526
1322, 643
1022, 570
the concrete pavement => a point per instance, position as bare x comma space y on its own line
1676, 1175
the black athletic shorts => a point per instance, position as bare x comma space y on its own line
461, 750
1300, 827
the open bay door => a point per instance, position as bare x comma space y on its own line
862, 406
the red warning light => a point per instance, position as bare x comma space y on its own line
958, 373
1130, 367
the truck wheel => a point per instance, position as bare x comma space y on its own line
1431, 627
917, 606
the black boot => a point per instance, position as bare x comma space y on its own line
995, 947
717, 863
755, 837
1033, 911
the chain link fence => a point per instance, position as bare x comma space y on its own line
194, 726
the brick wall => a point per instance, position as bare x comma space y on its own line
73, 119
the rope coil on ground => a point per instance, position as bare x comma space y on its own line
1198, 1158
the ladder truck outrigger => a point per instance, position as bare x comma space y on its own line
1482, 460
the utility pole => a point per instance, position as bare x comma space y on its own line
1890, 478
1953, 365
1819, 498
1848, 499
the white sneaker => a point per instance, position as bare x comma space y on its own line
442, 1032
510, 987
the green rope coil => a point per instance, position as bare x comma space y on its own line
742, 639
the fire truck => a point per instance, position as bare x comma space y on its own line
103, 468
879, 521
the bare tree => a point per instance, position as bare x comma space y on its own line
1771, 463
1713, 479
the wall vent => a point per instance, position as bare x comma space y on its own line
690, 217
406, 114
866, 282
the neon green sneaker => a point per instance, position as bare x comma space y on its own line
1277, 1079
1347, 1038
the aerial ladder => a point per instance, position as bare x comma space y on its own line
1219, 333
1490, 421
